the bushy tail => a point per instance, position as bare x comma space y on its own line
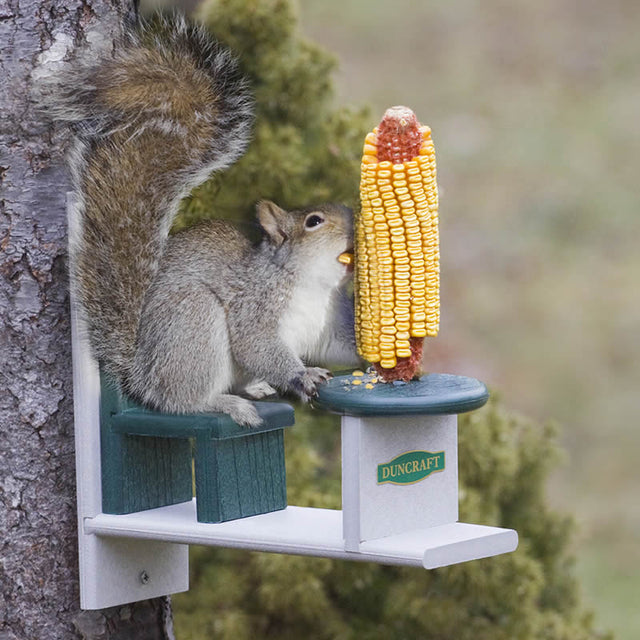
152, 120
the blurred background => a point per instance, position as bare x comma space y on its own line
534, 109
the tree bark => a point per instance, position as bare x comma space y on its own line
38, 529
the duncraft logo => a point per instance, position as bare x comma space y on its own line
410, 467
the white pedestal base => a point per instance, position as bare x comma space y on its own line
384, 502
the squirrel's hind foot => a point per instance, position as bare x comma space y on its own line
240, 410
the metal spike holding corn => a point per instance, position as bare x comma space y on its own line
397, 281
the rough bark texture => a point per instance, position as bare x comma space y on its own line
38, 550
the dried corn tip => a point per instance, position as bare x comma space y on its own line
399, 137
397, 254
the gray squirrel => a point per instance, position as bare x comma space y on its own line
184, 323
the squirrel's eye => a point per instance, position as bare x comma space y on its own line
314, 220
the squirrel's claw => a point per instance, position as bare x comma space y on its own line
305, 384
319, 375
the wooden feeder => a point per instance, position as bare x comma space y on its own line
399, 460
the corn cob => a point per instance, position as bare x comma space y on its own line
396, 246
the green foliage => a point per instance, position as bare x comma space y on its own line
305, 151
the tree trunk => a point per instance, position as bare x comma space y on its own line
38, 552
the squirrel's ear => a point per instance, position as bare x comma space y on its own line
274, 220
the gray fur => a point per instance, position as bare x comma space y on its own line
184, 324
211, 322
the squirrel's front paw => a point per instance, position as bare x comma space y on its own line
258, 389
319, 375
305, 384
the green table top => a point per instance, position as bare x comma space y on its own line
432, 394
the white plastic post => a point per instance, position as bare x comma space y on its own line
378, 504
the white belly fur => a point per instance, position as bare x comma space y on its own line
302, 324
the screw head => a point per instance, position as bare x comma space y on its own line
144, 577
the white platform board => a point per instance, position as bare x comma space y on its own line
307, 531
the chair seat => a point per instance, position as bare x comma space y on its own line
137, 420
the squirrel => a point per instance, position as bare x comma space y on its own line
186, 322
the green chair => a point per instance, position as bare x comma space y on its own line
147, 459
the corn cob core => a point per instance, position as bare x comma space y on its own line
399, 138
396, 246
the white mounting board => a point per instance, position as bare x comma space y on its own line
111, 571
308, 531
